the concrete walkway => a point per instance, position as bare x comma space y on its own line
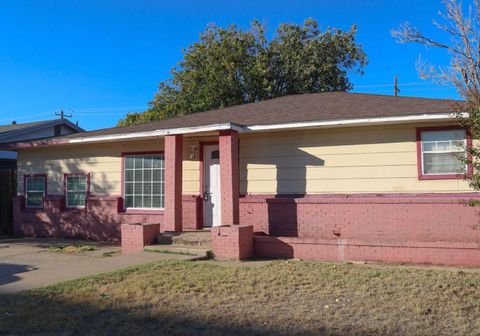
30, 263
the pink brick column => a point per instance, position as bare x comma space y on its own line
136, 236
232, 242
229, 176
173, 183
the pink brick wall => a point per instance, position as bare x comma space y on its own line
192, 212
232, 242
136, 236
427, 229
100, 220
430, 229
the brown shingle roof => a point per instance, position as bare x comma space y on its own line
296, 108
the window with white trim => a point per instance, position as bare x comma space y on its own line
144, 181
76, 188
34, 191
442, 152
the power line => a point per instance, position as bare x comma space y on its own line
106, 113
29, 116
389, 85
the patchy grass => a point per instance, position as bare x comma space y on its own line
71, 249
294, 297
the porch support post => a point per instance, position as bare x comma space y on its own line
173, 183
229, 177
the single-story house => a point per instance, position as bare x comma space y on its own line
326, 176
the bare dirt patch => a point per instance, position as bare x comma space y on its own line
283, 297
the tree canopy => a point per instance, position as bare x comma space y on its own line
230, 66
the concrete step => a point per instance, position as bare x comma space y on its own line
195, 252
190, 238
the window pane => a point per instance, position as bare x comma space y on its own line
147, 201
34, 199
128, 175
128, 201
157, 162
129, 162
76, 190
442, 163
147, 175
156, 188
441, 150
128, 188
156, 202
35, 191
138, 201
443, 135
76, 183
157, 175
76, 199
147, 162
143, 182
35, 184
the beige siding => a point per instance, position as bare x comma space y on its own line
102, 161
344, 160
380, 159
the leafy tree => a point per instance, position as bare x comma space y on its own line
229, 66
463, 31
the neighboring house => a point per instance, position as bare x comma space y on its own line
327, 176
22, 132
15, 132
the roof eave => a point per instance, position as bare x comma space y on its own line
433, 117
357, 122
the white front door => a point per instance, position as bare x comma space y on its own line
211, 186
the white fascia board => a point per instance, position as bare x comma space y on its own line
157, 133
355, 122
273, 127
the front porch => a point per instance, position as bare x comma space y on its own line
229, 181
217, 208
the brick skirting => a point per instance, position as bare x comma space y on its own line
405, 228
100, 220
433, 253
421, 229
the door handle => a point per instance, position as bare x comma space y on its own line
206, 195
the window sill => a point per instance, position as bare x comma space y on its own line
442, 177
142, 212
76, 209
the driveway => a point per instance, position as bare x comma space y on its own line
31, 262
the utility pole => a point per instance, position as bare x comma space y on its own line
63, 115
396, 90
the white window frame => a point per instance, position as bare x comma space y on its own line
422, 152
44, 178
162, 194
87, 187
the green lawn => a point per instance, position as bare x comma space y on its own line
294, 297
